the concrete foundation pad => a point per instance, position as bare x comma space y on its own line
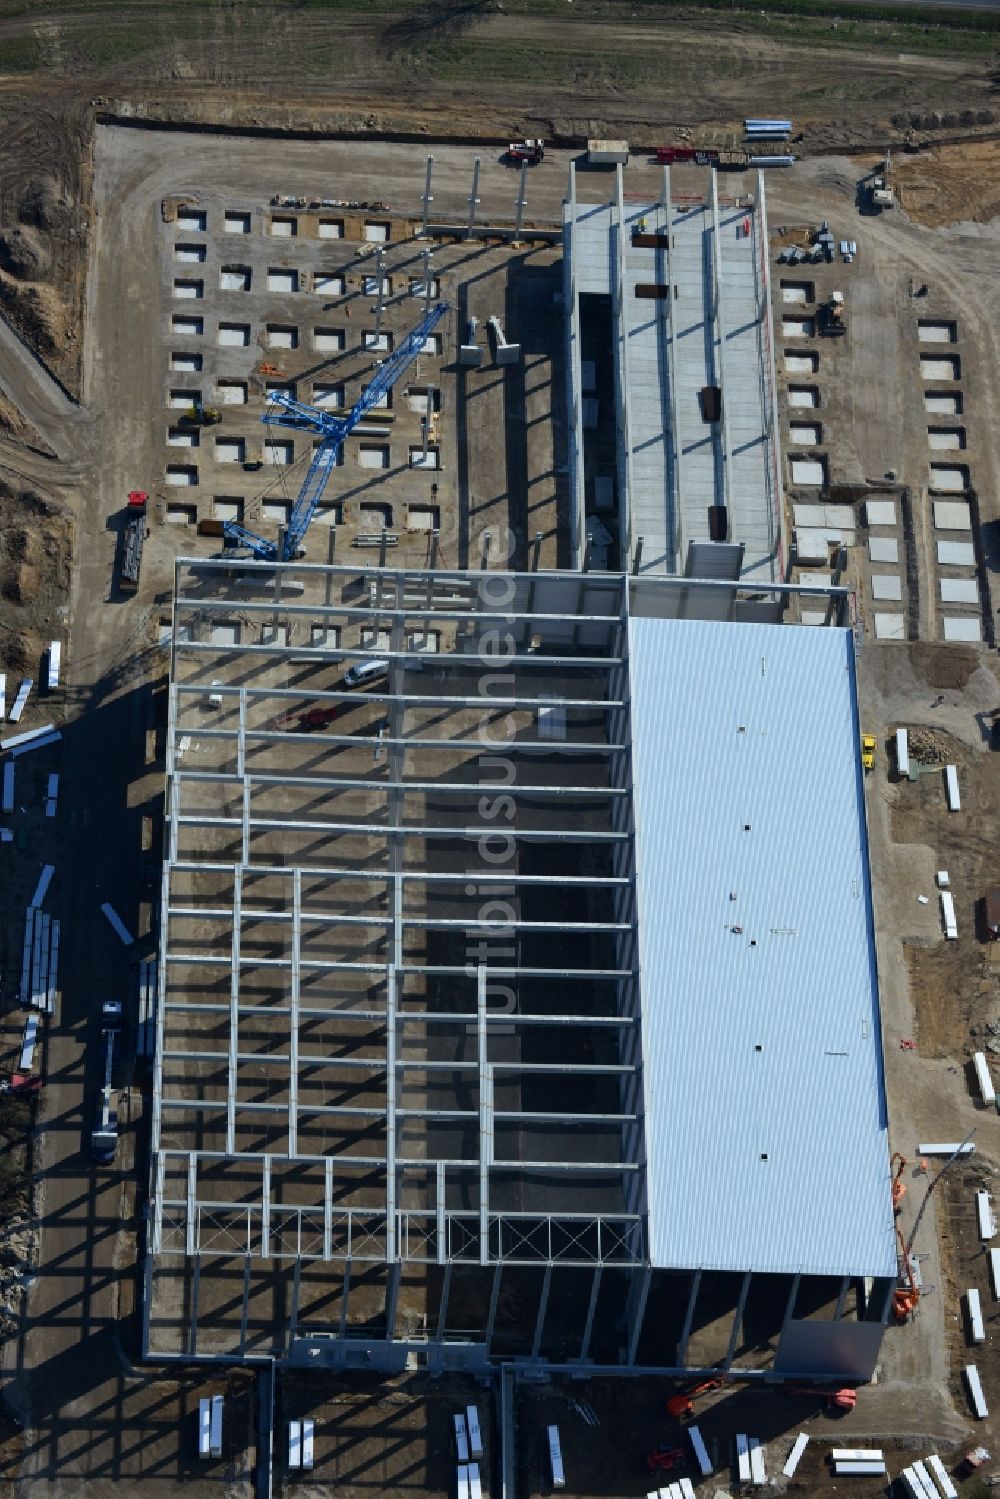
956, 554
887, 586
890, 627
883, 549
813, 616
958, 627
880, 512
959, 591
814, 579
813, 544
951, 515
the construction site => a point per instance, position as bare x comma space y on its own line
499, 981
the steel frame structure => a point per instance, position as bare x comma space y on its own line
399, 1017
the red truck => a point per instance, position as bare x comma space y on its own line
531, 151
132, 540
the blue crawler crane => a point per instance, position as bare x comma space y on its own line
285, 411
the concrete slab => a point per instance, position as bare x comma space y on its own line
952, 480
951, 515
959, 627
959, 591
814, 579
890, 627
880, 512
883, 549
809, 471
887, 586
956, 554
812, 544
812, 616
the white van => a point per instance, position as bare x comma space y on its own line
363, 673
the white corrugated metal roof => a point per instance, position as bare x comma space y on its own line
761, 1026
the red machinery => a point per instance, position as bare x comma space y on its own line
312, 719
898, 1185
701, 156
681, 1406
836, 1400
531, 151
663, 1458
21, 1082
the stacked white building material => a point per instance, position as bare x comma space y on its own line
44, 881
295, 1444
117, 924
801, 1442
860, 1462
925, 1481
461, 1440
951, 788
8, 786
948, 919
700, 1451
39, 961
984, 1212
977, 1330
940, 1472
32, 739
51, 794
555, 1459
976, 1397
20, 701
53, 665
986, 1087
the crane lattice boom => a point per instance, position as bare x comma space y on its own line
285, 411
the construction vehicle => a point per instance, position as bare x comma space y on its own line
991, 905
898, 1185
831, 316
663, 1458
725, 158
880, 194
972, 1460
204, 416
104, 1135
681, 1406
20, 1082
906, 1298
835, 1400
312, 719
869, 744
530, 151
285, 411
133, 537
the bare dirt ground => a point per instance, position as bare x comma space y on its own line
950, 183
453, 69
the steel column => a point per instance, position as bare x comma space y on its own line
494, 1299
543, 1302
588, 1327
442, 1319
682, 1345
737, 1319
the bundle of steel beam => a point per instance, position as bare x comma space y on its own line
39, 961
